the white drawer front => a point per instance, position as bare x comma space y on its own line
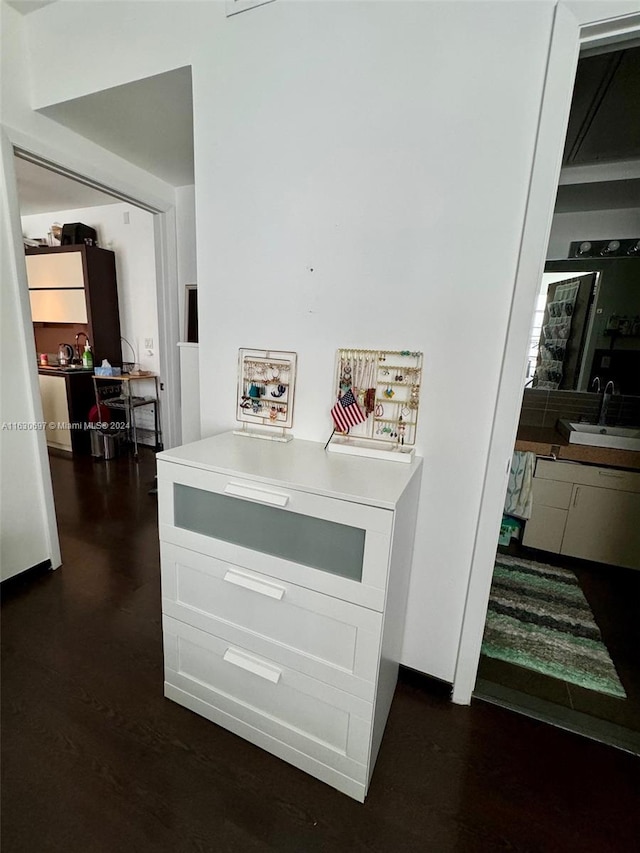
334, 546
329, 639
328, 724
589, 475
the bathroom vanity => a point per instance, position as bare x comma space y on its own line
285, 572
586, 511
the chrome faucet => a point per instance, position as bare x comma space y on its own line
609, 389
78, 358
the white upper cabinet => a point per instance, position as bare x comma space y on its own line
55, 271
58, 306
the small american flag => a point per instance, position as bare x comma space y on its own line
346, 412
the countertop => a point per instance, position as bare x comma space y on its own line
544, 442
54, 370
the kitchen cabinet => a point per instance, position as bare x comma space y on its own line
284, 579
58, 306
586, 511
66, 401
70, 287
55, 410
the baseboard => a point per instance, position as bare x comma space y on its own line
422, 681
25, 576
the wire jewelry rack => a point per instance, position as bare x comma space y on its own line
386, 387
266, 387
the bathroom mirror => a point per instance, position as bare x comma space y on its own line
587, 324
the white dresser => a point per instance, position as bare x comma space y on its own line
285, 572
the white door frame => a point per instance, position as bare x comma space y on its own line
569, 34
164, 224
26, 360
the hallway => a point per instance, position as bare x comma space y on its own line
95, 760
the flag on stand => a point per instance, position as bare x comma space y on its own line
346, 412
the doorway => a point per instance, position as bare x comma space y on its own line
569, 36
119, 285
602, 79
562, 630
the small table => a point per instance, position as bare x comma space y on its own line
125, 401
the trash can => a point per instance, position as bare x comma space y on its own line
104, 444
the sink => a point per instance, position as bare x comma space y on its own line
619, 438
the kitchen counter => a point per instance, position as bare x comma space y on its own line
54, 370
545, 442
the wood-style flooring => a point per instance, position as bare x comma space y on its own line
96, 760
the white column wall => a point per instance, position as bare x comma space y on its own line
365, 191
362, 173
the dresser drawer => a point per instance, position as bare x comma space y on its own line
337, 547
333, 640
327, 724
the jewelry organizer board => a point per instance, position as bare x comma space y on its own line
395, 376
266, 388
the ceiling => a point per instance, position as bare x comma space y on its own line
604, 123
148, 122
42, 191
603, 128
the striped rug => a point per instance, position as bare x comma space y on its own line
539, 619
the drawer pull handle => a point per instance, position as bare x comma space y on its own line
251, 664
252, 494
248, 582
611, 474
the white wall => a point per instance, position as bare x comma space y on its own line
384, 170
365, 142
591, 225
353, 163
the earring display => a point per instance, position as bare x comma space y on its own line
266, 386
377, 399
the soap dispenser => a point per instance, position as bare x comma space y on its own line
87, 356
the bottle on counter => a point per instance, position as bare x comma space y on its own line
87, 356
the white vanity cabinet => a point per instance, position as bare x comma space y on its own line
284, 579
586, 511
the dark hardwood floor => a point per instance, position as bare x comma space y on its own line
96, 760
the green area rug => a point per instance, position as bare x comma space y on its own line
539, 619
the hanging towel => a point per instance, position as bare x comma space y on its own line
519, 500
